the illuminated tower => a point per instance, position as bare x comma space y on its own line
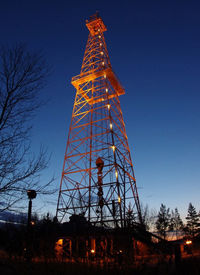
98, 179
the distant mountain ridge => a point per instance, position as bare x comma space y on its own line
11, 217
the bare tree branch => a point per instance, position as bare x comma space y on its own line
22, 76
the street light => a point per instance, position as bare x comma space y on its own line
31, 195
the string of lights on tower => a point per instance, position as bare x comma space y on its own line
98, 180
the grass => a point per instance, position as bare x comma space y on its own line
189, 266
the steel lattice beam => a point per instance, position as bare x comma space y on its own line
97, 132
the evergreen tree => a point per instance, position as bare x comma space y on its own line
192, 226
130, 216
163, 220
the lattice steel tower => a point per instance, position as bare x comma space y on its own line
98, 178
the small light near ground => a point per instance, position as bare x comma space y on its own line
92, 251
60, 241
188, 242
101, 53
103, 63
113, 147
99, 36
116, 174
111, 126
119, 199
106, 88
100, 44
108, 106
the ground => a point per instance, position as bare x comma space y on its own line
188, 266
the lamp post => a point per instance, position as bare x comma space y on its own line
31, 195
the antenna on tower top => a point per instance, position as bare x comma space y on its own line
94, 16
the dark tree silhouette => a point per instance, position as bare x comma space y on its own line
163, 220
149, 217
193, 225
22, 75
176, 224
130, 216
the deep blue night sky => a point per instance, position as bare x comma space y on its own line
154, 47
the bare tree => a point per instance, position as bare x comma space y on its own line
22, 75
149, 217
176, 224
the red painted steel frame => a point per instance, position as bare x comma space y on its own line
97, 131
